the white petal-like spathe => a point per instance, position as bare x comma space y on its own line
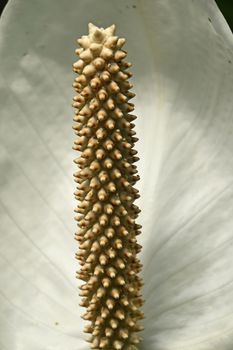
183, 64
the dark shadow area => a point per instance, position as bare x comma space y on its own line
2, 5
226, 8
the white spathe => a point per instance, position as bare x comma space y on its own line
182, 55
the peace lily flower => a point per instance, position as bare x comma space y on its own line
182, 54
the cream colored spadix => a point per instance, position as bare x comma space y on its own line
106, 213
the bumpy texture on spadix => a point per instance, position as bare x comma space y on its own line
106, 213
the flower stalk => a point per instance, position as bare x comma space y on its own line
106, 212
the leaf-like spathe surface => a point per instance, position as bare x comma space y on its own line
182, 63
